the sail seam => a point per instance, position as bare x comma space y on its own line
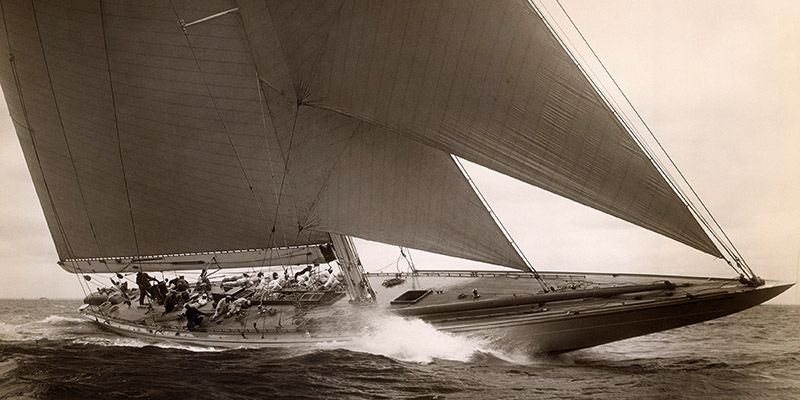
643, 146
63, 130
18, 84
219, 115
625, 122
262, 98
285, 173
283, 50
306, 86
264, 101
359, 129
735, 254
116, 129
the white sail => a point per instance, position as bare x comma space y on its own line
390, 189
484, 80
144, 139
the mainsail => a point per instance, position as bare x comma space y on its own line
147, 140
160, 129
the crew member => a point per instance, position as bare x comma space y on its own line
194, 317
143, 280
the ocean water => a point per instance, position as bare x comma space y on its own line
47, 351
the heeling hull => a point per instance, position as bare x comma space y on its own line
586, 329
543, 327
221, 339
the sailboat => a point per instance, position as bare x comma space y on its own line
215, 136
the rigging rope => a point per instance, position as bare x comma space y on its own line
547, 288
735, 254
264, 101
219, 114
116, 129
395, 262
301, 94
643, 145
28, 126
626, 122
408, 258
671, 180
286, 172
63, 130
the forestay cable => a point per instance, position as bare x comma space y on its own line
624, 120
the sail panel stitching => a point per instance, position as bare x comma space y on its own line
361, 128
262, 98
283, 50
28, 126
285, 173
735, 252
63, 130
628, 124
116, 129
219, 116
305, 86
620, 119
650, 154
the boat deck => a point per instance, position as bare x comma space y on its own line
511, 308
453, 286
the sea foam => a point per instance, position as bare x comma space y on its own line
414, 340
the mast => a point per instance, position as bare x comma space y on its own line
358, 286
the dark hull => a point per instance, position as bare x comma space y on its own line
604, 325
502, 314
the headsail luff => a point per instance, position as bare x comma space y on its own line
486, 81
145, 140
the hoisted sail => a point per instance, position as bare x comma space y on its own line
144, 139
145, 148
393, 190
188, 135
486, 81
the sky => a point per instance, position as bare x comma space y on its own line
717, 83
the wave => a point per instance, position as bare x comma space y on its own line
119, 341
53, 327
80, 331
61, 320
414, 340
7, 331
402, 339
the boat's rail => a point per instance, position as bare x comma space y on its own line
480, 274
543, 274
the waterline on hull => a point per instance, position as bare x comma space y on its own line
503, 331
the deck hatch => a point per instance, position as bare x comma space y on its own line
411, 297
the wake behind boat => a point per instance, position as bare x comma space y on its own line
265, 135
